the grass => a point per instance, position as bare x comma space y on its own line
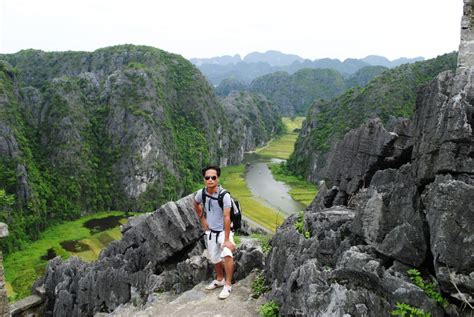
232, 179
301, 190
22, 268
283, 146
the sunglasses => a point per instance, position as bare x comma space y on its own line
210, 177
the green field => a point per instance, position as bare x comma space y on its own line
232, 178
283, 146
22, 268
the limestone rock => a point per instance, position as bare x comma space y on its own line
353, 161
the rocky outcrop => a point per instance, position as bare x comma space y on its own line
353, 161
406, 200
390, 95
332, 274
466, 47
158, 252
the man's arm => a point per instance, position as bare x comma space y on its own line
200, 213
227, 242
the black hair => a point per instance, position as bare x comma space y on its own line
211, 167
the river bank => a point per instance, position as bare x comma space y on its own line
266, 193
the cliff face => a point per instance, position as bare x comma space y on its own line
397, 197
126, 127
391, 94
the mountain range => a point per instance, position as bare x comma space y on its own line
258, 64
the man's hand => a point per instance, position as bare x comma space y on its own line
204, 224
230, 245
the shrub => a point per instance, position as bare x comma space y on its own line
405, 310
427, 287
259, 286
300, 226
269, 309
264, 240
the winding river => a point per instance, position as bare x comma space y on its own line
262, 184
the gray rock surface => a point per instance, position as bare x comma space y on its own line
197, 302
388, 218
466, 47
159, 252
352, 162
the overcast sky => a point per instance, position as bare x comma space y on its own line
206, 28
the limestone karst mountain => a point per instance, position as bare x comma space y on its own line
126, 127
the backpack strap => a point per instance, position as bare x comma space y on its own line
220, 198
203, 198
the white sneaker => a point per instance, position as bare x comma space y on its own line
225, 292
215, 284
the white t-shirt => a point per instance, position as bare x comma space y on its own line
215, 214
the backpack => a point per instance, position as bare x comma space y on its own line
235, 209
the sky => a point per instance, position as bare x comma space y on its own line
206, 28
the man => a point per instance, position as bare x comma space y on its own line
216, 223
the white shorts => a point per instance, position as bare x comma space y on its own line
216, 252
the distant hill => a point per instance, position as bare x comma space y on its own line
293, 94
274, 58
257, 64
376, 60
364, 75
220, 60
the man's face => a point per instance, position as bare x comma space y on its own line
211, 179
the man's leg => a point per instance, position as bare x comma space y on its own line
219, 267
229, 269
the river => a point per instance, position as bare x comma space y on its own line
262, 184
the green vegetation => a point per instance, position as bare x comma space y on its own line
259, 286
269, 309
264, 240
283, 146
391, 94
232, 178
295, 93
23, 267
300, 226
364, 75
80, 145
301, 190
237, 239
427, 287
405, 310
228, 85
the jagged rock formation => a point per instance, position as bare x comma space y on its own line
126, 127
159, 252
390, 95
466, 47
406, 202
